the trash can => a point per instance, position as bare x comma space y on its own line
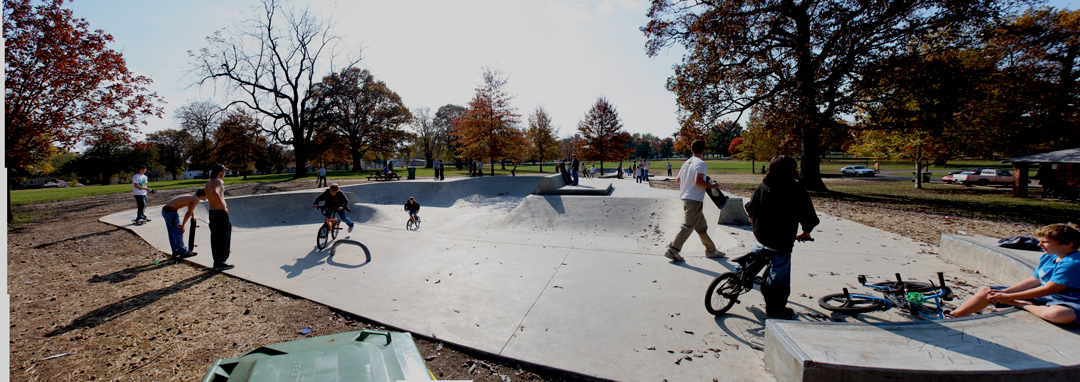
412, 173
925, 177
368, 355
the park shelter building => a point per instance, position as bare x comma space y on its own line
1059, 173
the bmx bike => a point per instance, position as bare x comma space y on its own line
329, 229
413, 222
911, 296
725, 289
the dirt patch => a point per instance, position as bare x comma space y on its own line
90, 301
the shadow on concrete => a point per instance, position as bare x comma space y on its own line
120, 308
313, 259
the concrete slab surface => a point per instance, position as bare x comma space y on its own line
572, 282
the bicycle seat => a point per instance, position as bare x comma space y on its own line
744, 259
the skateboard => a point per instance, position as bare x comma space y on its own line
140, 222
716, 195
191, 235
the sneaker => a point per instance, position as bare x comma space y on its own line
350, 229
223, 267
186, 255
784, 314
674, 256
715, 254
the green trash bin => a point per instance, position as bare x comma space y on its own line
925, 177
412, 173
368, 355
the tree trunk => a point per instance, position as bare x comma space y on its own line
811, 164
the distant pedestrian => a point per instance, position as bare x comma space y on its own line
175, 227
668, 168
436, 166
140, 190
692, 187
575, 166
618, 172
645, 171
220, 226
321, 182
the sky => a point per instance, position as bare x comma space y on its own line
558, 54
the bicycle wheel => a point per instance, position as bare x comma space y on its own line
337, 227
323, 237
841, 303
912, 286
409, 224
723, 292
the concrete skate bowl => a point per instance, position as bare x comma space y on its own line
378, 202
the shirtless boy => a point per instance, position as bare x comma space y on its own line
173, 224
220, 227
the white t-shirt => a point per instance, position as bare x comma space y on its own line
141, 180
688, 188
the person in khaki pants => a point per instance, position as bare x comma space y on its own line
692, 187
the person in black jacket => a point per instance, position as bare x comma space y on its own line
776, 210
413, 207
335, 201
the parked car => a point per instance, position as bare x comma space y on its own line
857, 171
952, 174
985, 177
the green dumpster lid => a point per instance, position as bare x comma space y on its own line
368, 355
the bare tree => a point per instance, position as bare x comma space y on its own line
272, 60
200, 119
427, 136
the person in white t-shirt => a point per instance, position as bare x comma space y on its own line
139, 189
692, 187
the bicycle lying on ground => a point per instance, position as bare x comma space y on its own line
912, 296
329, 229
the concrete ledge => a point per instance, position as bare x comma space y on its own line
1014, 347
734, 212
981, 254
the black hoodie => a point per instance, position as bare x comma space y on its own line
333, 202
777, 209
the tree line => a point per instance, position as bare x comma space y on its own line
921, 80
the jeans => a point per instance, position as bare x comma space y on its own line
176, 236
140, 201
574, 174
694, 220
777, 284
220, 236
341, 216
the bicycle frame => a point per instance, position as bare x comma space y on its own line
901, 296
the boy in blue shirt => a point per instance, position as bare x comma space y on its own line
1052, 292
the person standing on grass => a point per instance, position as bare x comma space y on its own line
779, 206
692, 187
170, 212
220, 226
139, 189
668, 168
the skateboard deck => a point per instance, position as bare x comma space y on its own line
191, 235
140, 222
716, 195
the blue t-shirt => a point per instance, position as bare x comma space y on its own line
1065, 272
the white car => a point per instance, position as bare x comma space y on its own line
857, 171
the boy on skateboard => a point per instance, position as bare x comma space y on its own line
170, 212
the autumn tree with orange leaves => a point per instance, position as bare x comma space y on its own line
64, 86
604, 137
488, 129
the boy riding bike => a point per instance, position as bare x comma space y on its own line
335, 201
413, 207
